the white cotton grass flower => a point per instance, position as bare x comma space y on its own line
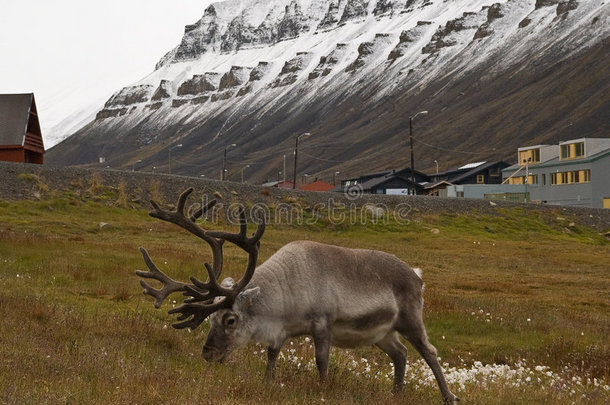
464, 377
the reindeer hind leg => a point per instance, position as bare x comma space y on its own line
413, 329
392, 346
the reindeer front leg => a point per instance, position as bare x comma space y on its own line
272, 354
321, 339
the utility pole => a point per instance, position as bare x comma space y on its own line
242, 172
411, 144
170, 156
296, 153
224, 161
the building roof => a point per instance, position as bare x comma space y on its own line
475, 170
14, 115
524, 148
372, 183
317, 185
469, 166
463, 172
558, 162
430, 185
279, 184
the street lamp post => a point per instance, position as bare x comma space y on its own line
296, 153
436, 162
242, 172
411, 143
224, 161
170, 156
335, 178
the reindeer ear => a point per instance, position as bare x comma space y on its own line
247, 297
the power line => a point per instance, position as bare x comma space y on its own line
453, 150
334, 160
256, 159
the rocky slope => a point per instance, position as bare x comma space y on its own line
493, 76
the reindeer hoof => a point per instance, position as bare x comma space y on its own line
451, 401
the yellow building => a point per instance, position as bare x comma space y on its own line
575, 172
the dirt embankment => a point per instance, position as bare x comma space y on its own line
135, 189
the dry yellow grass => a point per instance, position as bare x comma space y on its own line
512, 292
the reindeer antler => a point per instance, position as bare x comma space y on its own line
201, 310
170, 285
178, 217
202, 301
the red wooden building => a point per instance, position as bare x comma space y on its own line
20, 134
317, 185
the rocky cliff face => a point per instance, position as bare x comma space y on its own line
495, 75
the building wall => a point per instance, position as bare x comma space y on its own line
600, 181
479, 190
579, 194
21, 155
591, 194
595, 145
491, 175
12, 155
549, 152
33, 157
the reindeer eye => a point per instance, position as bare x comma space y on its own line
230, 320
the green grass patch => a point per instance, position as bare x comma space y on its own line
517, 289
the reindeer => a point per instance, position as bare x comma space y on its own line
341, 297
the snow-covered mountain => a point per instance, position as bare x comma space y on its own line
493, 75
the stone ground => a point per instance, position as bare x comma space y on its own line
31, 182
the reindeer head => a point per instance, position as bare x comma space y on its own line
231, 328
228, 301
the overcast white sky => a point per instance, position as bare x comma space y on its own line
73, 52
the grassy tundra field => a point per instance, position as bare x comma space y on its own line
517, 302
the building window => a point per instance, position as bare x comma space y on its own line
529, 156
532, 179
543, 179
517, 180
480, 179
573, 177
573, 151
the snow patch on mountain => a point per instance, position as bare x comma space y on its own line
258, 56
